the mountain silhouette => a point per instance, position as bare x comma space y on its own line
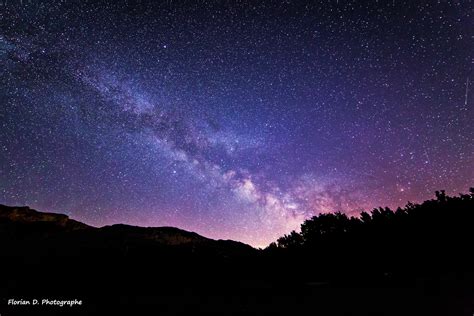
24, 222
26, 215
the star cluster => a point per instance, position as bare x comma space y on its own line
233, 119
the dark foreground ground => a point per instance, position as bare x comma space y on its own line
107, 291
130, 289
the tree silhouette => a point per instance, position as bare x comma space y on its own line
418, 238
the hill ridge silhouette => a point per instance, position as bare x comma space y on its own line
63, 223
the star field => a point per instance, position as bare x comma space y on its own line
233, 119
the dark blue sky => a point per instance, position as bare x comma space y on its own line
233, 119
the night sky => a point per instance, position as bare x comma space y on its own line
233, 119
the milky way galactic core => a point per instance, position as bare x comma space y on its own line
233, 119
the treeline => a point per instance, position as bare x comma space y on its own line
433, 236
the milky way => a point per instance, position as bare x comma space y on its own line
233, 119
